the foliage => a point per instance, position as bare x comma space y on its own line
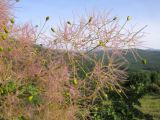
123, 107
150, 104
63, 76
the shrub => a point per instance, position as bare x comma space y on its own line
119, 106
51, 80
154, 88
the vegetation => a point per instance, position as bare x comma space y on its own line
119, 107
152, 57
151, 105
67, 77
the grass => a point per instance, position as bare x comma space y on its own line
151, 105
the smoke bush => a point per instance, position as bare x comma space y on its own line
53, 81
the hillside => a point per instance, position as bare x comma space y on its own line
152, 57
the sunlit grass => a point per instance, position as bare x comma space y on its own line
151, 105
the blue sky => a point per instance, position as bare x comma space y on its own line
143, 12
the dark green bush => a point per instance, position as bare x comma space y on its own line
120, 106
154, 88
30, 94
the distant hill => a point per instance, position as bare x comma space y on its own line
152, 57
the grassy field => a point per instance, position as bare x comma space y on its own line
151, 105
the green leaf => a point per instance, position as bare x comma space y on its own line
144, 61
90, 19
75, 82
9, 49
12, 20
129, 18
101, 43
30, 98
32, 90
115, 18
52, 29
5, 30
68, 22
4, 37
10, 87
1, 90
1, 49
47, 18
21, 118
